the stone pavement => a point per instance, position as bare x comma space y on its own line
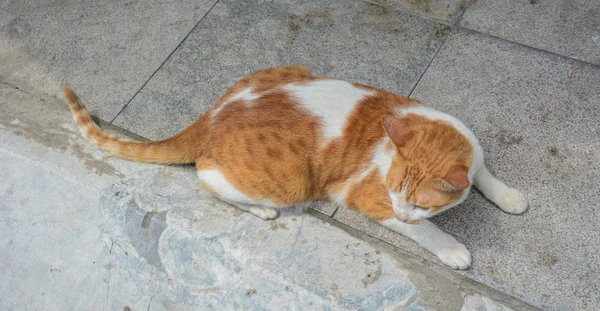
524, 75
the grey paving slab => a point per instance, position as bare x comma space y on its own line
351, 40
568, 28
445, 11
104, 50
537, 116
84, 232
324, 207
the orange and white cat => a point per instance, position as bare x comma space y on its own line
281, 137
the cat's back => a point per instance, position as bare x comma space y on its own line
290, 101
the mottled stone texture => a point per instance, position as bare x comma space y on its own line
445, 11
105, 50
350, 40
568, 28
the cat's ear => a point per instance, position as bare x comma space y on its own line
396, 130
456, 179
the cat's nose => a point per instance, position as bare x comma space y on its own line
402, 218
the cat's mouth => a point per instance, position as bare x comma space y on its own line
400, 218
410, 220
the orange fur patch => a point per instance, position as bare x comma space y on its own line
370, 196
265, 152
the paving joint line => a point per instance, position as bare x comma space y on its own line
466, 29
429, 64
23, 91
454, 27
164, 61
334, 212
464, 10
469, 30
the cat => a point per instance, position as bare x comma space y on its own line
282, 137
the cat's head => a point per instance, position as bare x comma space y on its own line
431, 169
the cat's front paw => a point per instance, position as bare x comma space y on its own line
456, 256
512, 201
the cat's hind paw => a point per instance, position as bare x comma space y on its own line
512, 201
456, 256
264, 213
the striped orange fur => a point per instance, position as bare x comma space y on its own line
179, 149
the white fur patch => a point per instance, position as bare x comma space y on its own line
339, 197
331, 100
401, 208
226, 192
382, 158
244, 95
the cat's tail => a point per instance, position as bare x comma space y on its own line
175, 150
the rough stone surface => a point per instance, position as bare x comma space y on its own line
350, 40
84, 232
478, 302
327, 208
363, 223
568, 28
105, 50
445, 11
537, 117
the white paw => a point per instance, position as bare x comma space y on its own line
512, 201
264, 213
456, 256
